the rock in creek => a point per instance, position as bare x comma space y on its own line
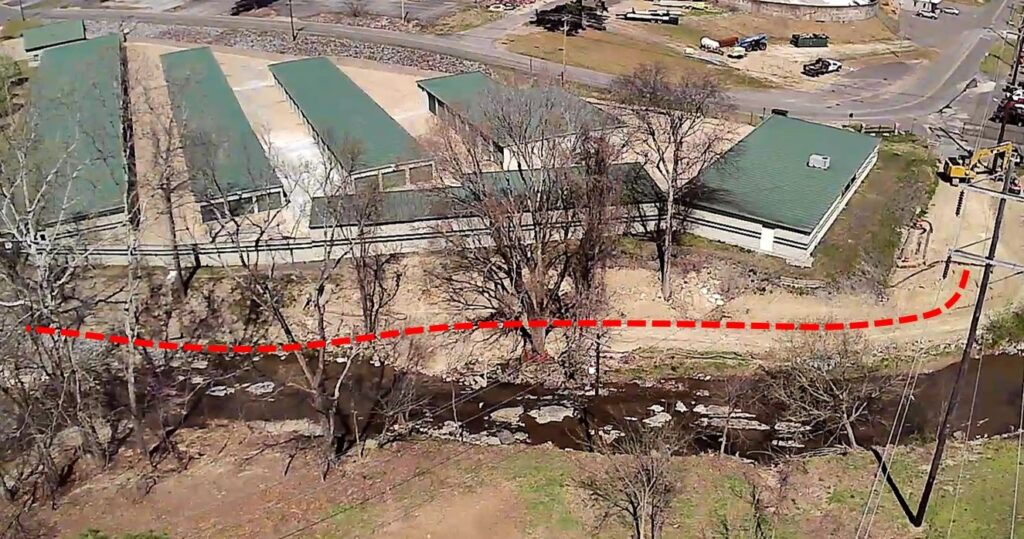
550, 414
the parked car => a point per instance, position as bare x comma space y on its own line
927, 15
498, 8
949, 10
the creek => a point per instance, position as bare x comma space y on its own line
510, 413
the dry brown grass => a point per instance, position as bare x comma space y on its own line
617, 55
778, 29
463, 20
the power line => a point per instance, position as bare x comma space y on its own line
906, 397
917, 517
1016, 477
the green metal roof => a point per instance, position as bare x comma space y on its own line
341, 114
428, 204
50, 35
463, 89
222, 152
76, 98
765, 177
465, 92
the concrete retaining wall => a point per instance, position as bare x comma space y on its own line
804, 11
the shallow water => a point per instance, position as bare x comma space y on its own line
996, 406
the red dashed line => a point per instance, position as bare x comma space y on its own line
122, 340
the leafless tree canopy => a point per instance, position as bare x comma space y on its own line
676, 127
546, 225
829, 382
636, 480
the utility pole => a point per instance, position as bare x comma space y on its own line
291, 20
990, 261
565, 43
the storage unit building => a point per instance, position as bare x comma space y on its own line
36, 40
228, 169
461, 96
78, 102
782, 186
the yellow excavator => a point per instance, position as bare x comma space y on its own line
983, 162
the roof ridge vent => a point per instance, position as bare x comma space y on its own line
819, 161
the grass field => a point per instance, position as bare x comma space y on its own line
451, 490
618, 55
463, 20
996, 64
861, 246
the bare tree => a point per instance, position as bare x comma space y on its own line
675, 126
55, 392
543, 227
395, 405
829, 382
636, 480
347, 216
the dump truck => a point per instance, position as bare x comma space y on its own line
809, 40
656, 16
753, 43
821, 66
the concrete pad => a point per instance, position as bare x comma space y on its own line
395, 91
158, 161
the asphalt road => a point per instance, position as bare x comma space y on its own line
935, 84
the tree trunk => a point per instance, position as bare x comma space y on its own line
133, 408
849, 431
666, 250
537, 340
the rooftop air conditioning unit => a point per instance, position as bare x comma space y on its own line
819, 161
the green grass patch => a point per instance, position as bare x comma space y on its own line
996, 64
353, 520
542, 481
860, 248
14, 28
1006, 327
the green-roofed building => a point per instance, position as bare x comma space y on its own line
228, 168
780, 188
36, 39
363, 138
464, 96
77, 103
411, 218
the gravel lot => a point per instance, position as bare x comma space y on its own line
281, 43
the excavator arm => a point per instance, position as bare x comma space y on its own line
1003, 152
